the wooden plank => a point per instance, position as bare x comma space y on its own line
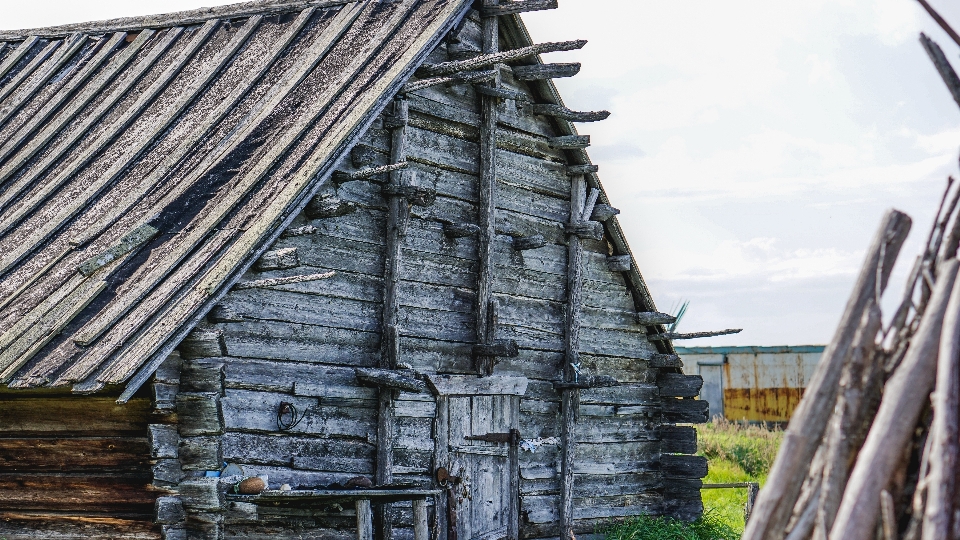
144, 140
77, 492
686, 411
683, 466
69, 111
364, 520
538, 72
12, 58
491, 58
35, 338
106, 454
459, 385
318, 454
245, 410
300, 343
202, 129
26, 525
69, 47
679, 385
25, 72
42, 417
89, 120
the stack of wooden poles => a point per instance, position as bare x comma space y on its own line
871, 451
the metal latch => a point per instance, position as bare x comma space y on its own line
512, 438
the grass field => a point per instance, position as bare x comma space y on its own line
736, 453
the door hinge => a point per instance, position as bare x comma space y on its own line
512, 437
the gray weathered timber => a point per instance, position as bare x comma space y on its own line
545, 71
651, 318
501, 93
779, 495
896, 418
570, 142
577, 170
603, 213
686, 411
666, 336
683, 466
679, 385
391, 379
487, 200
548, 109
944, 431
586, 230
570, 398
461, 77
491, 58
524, 243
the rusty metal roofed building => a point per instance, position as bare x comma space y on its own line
756, 384
354, 246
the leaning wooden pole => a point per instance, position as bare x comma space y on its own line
896, 419
944, 450
398, 213
801, 440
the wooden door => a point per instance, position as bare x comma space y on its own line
485, 495
478, 437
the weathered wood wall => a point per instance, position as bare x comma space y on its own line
76, 467
300, 342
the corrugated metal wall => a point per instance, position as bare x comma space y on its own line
760, 384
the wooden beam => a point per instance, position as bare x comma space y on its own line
569, 142
586, 230
570, 397
391, 378
517, 6
501, 348
460, 230
539, 72
273, 282
397, 217
652, 318
577, 170
490, 58
501, 93
557, 111
603, 213
666, 336
457, 78
523, 243
489, 115
620, 263
340, 177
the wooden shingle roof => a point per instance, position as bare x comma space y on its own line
146, 163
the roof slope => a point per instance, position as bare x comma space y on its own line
145, 163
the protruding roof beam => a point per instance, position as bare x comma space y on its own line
548, 109
673, 335
540, 72
449, 68
570, 142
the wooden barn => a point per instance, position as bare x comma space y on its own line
355, 247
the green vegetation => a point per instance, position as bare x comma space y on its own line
709, 527
737, 452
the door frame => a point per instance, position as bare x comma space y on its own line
446, 386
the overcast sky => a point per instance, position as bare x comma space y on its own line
753, 145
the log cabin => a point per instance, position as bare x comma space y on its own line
355, 248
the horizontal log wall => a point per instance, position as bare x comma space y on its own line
75, 467
300, 342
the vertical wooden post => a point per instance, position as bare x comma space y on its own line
398, 212
420, 531
441, 458
570, 399
364, 520
487, 198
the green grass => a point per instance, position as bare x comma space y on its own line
736, 453
708, 527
